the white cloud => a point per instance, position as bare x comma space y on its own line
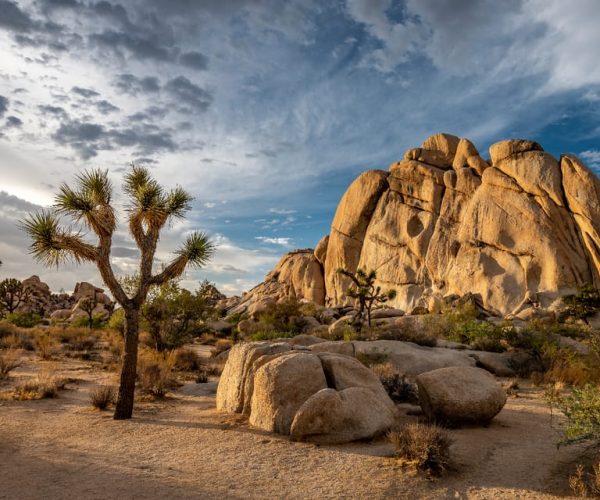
281, 211
284, 242
592, 157
210, 204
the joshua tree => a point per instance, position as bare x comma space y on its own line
149, 209
12, 295
364, 290
87, 305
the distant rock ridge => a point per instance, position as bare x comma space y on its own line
517, 232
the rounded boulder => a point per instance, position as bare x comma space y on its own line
460, 395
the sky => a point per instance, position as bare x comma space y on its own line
266, 110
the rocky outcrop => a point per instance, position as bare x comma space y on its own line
516, 232
460, 395
40, 300
314, 396
298, 275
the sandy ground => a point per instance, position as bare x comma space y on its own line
183, 448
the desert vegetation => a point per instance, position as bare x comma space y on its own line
150, 208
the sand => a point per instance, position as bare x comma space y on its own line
183, 447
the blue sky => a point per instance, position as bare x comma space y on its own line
266, 110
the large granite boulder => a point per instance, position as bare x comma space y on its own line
518, 231
460, 395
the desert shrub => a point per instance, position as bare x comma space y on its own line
154, 372
581, 305
427, 447
24, 320
581, 407
235, 318
406, 333
7, 329
45, 344
321, 331
117, 321
395, 383
451, 318
285, 316
584, 483
20, 339
98, 321
45, 385
202, 375
9, 360
480, 334
75, 339
172, 315
186, 360
270, 335
102, 397
222, 345
370, 359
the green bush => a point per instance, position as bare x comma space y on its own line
117, 321
271, 335
24, 320
583, 304
582, 409
281, 317
83, 321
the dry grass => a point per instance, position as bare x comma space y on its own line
9, 360
222, 345
155, 372
45, 385
584, 483
45, 344
395, 383
102, 397
427, 447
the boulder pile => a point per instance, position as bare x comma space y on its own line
319, 392
319, 397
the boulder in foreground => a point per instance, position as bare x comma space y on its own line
460, 395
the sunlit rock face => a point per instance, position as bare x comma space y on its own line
520, 229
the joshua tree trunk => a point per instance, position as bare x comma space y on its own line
124, 407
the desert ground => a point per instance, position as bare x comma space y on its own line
182, 447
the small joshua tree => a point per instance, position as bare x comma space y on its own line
87, 305
149, 209
12, 295
363, 289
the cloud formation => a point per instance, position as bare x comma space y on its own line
266, 110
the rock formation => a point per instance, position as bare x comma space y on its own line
62, 306
298, 274
41, 300
315, 396
517, 232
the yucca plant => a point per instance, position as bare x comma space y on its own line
89, 207
363, 289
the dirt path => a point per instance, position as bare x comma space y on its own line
184, 448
